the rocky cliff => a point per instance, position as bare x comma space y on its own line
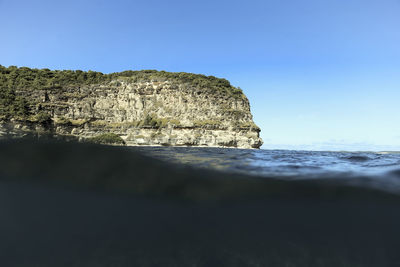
141, 107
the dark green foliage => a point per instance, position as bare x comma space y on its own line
195, 80
45, 79
23, 78
12, 105
107, 139
42, 117
151, 121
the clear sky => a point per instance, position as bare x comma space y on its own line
318, 74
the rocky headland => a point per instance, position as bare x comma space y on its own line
132, 107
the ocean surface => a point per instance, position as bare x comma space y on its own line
380, 170
84, 205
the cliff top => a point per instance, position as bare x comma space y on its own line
14, 78
25, 77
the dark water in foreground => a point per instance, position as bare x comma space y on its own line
380, 170
73, 204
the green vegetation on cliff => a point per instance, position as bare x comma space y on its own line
12, 105
14, 79
107, 139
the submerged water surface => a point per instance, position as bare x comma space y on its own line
376, 169
74, 204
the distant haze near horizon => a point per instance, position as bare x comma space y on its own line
319, 75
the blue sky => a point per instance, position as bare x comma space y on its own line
318, 74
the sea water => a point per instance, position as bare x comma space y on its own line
74, 204
377, 169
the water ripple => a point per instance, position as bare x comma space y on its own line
367, 168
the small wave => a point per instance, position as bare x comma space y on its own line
357, 158
303, 167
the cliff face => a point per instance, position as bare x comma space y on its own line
142, 112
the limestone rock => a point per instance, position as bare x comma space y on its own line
149, 112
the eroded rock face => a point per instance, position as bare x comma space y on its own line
142, 113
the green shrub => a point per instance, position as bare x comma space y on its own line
153, 121
12, 105
45, 79
41, 117
107, 139
207, 123
150, 121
